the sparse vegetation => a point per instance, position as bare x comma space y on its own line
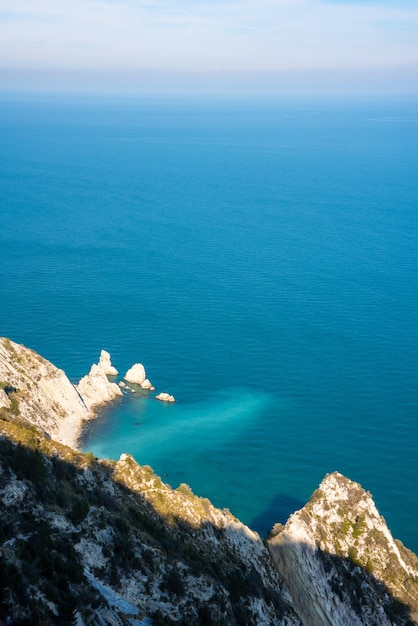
73, 524
360, 526
14, 405
145, 532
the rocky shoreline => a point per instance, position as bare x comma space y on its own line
44, 395
135, 549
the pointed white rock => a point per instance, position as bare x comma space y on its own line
106, 365
147, 385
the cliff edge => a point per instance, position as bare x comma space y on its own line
340, 562
88, 541
36, 390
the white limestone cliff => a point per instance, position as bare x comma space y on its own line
337, 546
96, 389
4, 399
44, 395
334, 563
218, 531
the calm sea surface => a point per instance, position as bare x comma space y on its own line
259, 258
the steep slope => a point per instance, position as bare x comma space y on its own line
93, 542
340, 562
35, 389
85, 541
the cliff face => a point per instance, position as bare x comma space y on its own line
36, 390
95, 388
85, 541
96, 542
340, 562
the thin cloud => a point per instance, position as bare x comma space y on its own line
186, 35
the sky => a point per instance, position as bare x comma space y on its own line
202, 46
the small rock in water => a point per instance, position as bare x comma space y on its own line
147, 385
165, 397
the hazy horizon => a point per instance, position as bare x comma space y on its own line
240, 47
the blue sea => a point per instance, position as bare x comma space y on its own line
259, 257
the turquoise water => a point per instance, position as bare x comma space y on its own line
260, 259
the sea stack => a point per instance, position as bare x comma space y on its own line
136, 374
42, 394
106, 365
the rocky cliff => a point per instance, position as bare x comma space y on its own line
36, 390
87, 541
340, 562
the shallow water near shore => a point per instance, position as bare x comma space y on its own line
259, 258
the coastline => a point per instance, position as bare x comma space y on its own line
36, 390
334, 562
43, 395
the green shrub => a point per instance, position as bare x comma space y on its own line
353, 554
90, 458
7, 387
4, 413
29, 464
369, 565
360, 526
174, 583
79, 511
14, 405
184, 489
237, 586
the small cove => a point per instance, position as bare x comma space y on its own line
260, 262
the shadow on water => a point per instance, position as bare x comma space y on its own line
280, 508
